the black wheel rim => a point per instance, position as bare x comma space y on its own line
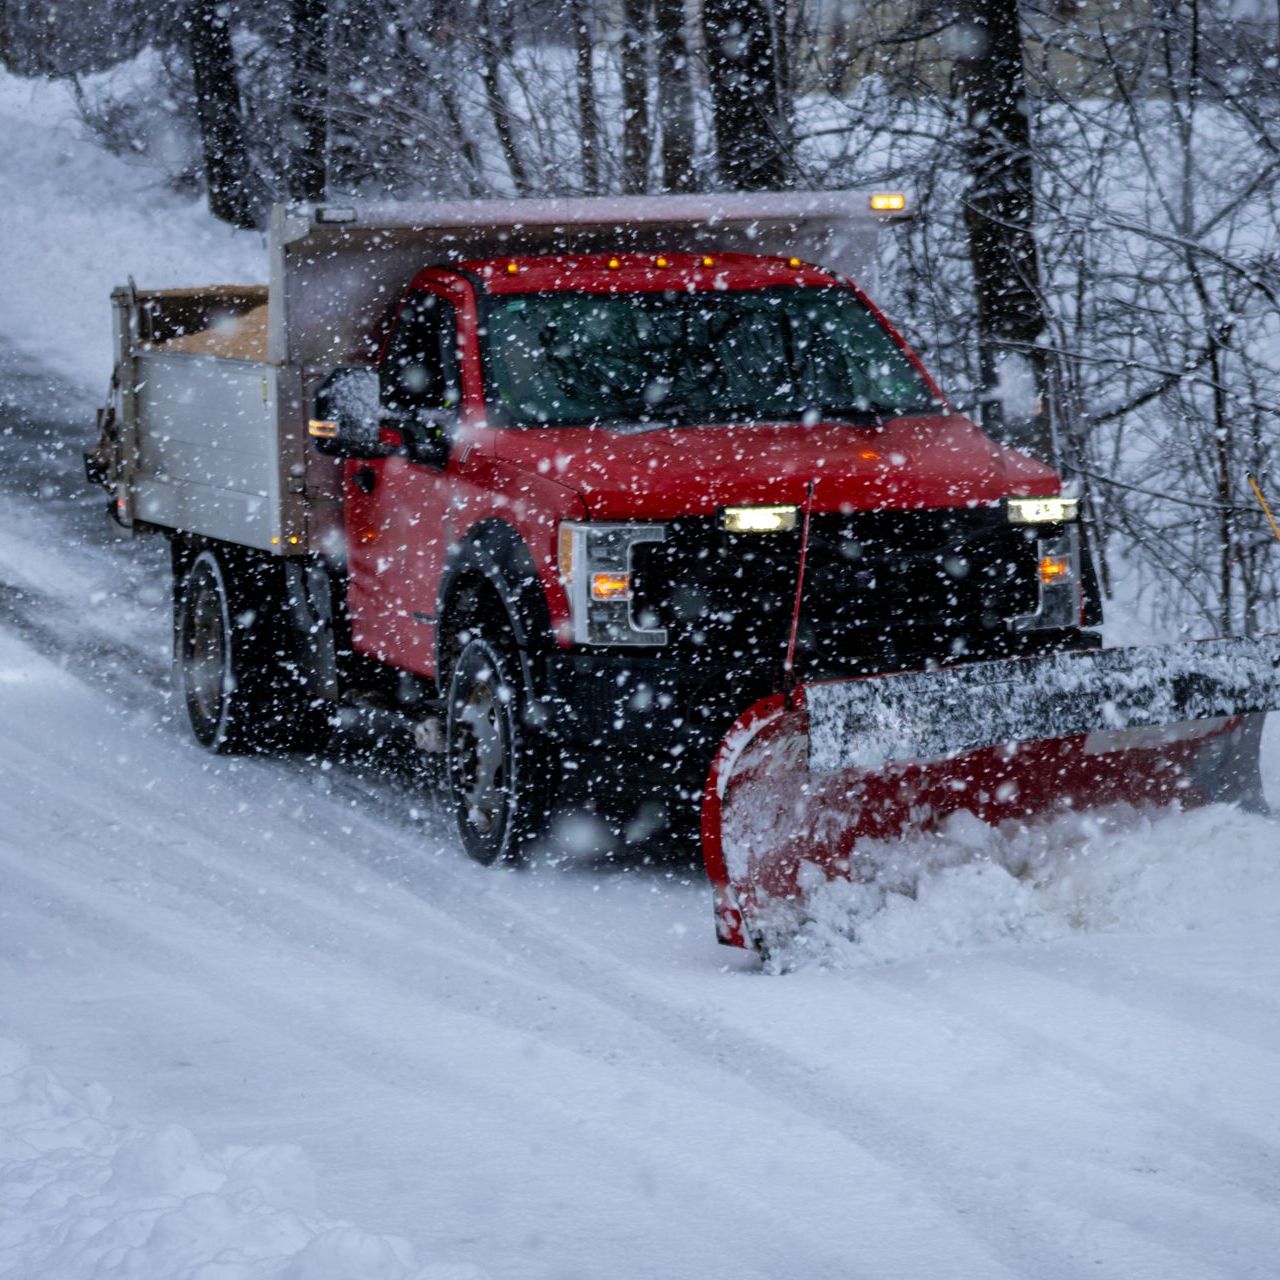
204, 655
481, 759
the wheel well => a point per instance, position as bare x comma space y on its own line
472, 602
491, 579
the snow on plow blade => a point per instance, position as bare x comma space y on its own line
801, 779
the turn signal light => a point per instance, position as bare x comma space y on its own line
611, 586
1054, 569
322, 429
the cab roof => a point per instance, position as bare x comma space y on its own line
635, 272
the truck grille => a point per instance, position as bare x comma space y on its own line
884, 590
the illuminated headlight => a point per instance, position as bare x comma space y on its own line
1042, 510
595, 567
759, 519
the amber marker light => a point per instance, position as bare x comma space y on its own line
868, 455
611, 586
512, 268
759, 519
322, 429
888, 202
614, 264
708, 262
663, 262
564, 552
1054, 569
794, 263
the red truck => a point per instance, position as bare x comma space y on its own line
571, 507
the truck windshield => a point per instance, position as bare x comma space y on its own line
776, 355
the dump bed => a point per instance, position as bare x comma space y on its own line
206, 433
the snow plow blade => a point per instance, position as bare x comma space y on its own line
802, 778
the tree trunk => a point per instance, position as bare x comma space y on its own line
1000, 218
636, 33
494, 44
309, 38
742, 66
675, 96
585, 83
226, 159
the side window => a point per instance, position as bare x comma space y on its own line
420, 370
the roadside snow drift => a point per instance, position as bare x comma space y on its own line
82, 1197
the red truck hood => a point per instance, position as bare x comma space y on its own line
942, 461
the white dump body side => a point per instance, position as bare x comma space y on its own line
208, 457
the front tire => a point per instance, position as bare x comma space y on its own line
498, 775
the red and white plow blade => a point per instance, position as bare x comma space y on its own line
803, 778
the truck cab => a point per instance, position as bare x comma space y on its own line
576, 489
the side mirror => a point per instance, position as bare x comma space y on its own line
348, 415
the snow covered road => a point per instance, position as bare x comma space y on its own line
552, 1073
557, 1072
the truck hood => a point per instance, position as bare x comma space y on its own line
931, 461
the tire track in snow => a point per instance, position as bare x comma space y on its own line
779, 1249
1234, 1153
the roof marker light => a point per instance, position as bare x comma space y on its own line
888, 202
663, 262
614, 264
708, 262
794, 262
512, 268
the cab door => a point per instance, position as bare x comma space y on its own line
396, 510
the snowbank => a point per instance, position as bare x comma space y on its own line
79, 221
82, 1197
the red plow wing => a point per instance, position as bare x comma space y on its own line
802, 779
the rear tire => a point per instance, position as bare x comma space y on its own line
498, 771
236, 664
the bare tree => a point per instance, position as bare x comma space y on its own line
637, 38
744, 76
309, 34
217, 99
675, 96
585, 87
1000, 215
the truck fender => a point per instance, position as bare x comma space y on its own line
495, 553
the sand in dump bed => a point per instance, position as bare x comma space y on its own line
242, 337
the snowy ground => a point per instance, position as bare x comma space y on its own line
311, 1010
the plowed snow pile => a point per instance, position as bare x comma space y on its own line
81, 1197
1117, 871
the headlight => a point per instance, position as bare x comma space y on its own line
595, 567
1042, 510
759, 519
